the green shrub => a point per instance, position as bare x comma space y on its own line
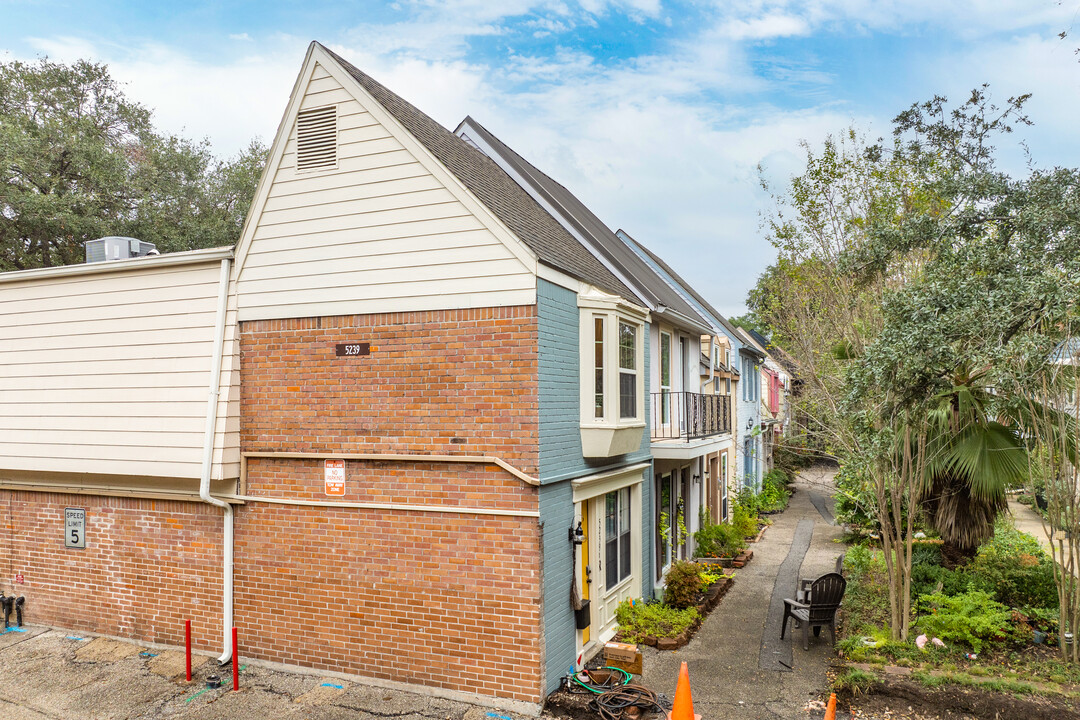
866, 600
927, 579
925, 554
682, 584
744, 519
638, 620
715, 540
1015, 569
775, 493
971, 618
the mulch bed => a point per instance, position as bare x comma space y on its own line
898, 693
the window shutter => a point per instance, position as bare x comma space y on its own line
316, 138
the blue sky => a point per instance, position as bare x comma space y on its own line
657, 114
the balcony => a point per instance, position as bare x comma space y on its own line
689, 416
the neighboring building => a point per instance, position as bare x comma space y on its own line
425, 395
719, 375
775, 383
687, 427
397, 307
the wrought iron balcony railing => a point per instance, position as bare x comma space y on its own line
689, 416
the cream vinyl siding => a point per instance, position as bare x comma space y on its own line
108, 374
378, 233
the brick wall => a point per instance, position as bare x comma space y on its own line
148, 565
444, 599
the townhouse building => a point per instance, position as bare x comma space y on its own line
425, 401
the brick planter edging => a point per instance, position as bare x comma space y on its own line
712, 598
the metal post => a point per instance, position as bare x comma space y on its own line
187, 647
235, 664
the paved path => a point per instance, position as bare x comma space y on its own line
735, 659
1029, 521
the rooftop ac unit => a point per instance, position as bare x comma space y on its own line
117, 248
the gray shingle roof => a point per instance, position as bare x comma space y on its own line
510, 203
655, 290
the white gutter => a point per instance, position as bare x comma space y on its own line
208, 464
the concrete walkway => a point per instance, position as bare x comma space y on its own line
739, 667
1027, 520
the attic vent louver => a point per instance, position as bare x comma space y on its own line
316, 138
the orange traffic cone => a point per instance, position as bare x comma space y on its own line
683, 707
830, 711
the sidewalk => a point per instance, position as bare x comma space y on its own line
738, 664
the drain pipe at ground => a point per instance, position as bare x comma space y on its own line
208, 464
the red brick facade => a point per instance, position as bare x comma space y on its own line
148, 565
445, 599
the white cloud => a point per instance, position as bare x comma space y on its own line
243, 37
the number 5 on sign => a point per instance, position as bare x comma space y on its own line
334, 477
75, 528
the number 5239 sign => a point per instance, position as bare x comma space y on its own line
75, 528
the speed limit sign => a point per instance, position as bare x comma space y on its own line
75, 528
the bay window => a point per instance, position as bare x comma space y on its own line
612, 379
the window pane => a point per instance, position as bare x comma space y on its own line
611, 516
598, 364
611, 537
665, 360
627, 395
624, 510
627, 346
624, 556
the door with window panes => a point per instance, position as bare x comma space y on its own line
612, 522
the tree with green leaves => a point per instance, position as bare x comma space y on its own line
917, 286
79, 160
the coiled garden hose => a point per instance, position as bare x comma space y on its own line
614, 703
600, 688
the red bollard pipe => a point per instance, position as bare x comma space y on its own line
235, 664
187, 647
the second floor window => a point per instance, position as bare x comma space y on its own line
627, 371
665, 378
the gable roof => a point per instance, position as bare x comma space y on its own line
514, 207
712, 314
650, 288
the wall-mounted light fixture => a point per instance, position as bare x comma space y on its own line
577, 534
749, 423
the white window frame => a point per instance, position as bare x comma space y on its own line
665, 390
613, 310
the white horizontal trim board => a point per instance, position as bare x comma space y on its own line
367, 147
324, 97
456, 509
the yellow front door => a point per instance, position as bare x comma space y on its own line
585, 565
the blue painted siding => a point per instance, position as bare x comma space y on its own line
559, 364
560, 633
561, 461
648, 521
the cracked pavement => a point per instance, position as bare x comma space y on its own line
54, 675
727, 654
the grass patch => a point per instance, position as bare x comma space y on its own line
855, 681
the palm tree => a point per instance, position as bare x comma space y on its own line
972, 460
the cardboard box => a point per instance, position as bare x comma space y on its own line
620, 651
633, 667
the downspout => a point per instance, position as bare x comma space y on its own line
208, 464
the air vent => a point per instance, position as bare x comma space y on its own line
316, 139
